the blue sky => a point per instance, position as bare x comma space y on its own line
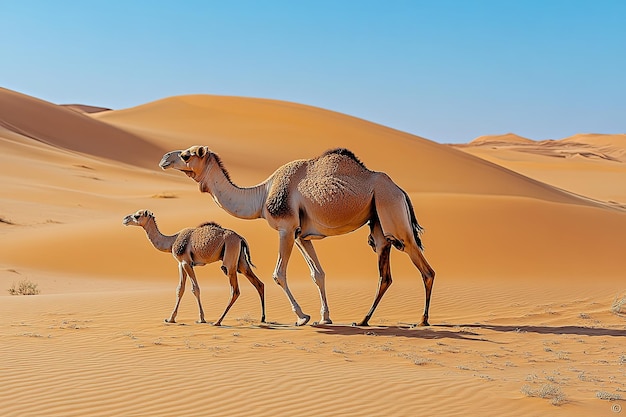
446, 70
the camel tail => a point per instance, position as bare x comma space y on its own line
246, 252
417, 229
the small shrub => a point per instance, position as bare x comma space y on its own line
546, 391
619, 306
421, 361
164, 195
609, 396
6, 221
24, 287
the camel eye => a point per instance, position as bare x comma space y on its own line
136, 216
185, 157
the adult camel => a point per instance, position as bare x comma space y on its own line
308, 199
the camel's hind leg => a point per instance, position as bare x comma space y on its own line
234, 294
246, 269
382, 247
229, 266
195, 288
396, 219
428, 276
318, 276
180, 290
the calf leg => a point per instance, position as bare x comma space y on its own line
246, 269
180, 290
234, 294
195, 288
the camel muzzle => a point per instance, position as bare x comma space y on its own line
171, 160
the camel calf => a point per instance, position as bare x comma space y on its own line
197, 246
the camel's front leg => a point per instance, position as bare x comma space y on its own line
195, 288
180, 290
318, 276
287, 238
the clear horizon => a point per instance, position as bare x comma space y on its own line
449, 71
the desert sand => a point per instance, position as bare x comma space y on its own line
527, 239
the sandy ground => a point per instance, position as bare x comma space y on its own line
527, 240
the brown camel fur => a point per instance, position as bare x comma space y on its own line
303, 200
199, 246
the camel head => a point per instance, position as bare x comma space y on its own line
139, 218
192, 161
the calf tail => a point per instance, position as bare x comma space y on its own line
245, 249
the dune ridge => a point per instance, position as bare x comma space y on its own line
245, 129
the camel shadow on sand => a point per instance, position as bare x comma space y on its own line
426, 333
462, 332
555, 330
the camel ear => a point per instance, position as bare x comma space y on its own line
202, 151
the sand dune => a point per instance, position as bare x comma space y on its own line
592, 165
528, 248
507, 139
64, 128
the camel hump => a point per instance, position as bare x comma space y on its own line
210, 224
344, 152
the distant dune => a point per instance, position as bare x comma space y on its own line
527, 239
587, 164
508, 138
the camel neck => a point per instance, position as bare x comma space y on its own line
244, 203
159, 240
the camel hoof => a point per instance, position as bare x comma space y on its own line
327, 321
169, 321
303, 320
423, 324
217, 324
201, 321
